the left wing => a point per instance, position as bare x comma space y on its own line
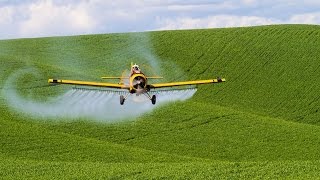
185, 83
88, 83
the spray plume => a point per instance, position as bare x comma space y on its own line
97, 105
92, 104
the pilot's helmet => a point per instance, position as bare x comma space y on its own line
135, 67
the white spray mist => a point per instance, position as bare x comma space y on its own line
97, 105
91, 104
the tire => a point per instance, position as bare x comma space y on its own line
122, 100
154, 99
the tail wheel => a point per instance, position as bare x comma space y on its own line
122, 99
154, 99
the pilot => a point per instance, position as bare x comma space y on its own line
135, 69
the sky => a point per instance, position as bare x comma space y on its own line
41, 18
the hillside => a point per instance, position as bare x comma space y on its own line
262, 123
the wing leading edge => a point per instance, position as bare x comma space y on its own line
185, 83
88, 83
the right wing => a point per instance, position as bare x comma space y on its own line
88, 83
185, 83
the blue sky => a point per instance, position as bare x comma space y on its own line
38, 18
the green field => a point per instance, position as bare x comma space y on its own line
264, 122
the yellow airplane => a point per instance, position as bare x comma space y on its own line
138, 83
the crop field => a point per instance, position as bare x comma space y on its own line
263, 122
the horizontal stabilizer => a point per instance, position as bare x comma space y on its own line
114, 77
150, 77
154, 77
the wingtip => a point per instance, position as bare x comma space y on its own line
221, 79
50, 81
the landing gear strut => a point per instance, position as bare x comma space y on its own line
153, 98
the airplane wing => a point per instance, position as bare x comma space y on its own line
185, 83
88, 83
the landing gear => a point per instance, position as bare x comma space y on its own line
122, 99
153, 99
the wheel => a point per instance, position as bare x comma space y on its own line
122, 99
154, 99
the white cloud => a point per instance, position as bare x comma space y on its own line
35, 18
6, 14
212, 22
249, 2
46, 18
7, 23
307, 18
201, 7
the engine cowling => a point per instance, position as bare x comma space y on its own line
138, 82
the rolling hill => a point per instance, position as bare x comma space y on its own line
262, 123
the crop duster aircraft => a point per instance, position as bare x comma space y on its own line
138, 83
